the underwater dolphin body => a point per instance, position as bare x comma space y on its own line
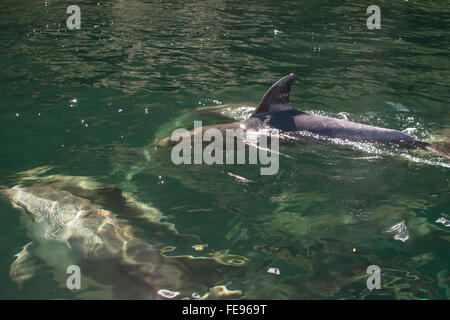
274, 111
114, 262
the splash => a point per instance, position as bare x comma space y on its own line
402, 231
378, 149
443, 221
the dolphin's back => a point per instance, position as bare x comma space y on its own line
347, 130
275, 111
300, 123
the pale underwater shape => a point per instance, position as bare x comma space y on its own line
69, 230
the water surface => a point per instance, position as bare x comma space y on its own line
89, 101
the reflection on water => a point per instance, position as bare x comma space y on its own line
91, 103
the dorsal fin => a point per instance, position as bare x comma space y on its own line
277, 97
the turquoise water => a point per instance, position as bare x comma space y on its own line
90, 102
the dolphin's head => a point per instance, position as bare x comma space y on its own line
10, 194
6, 193
20, 197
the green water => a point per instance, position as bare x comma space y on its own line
87, 102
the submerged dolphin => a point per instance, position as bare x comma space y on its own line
114, 262
275, 112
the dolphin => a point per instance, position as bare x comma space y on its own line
69, 230
274, 111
